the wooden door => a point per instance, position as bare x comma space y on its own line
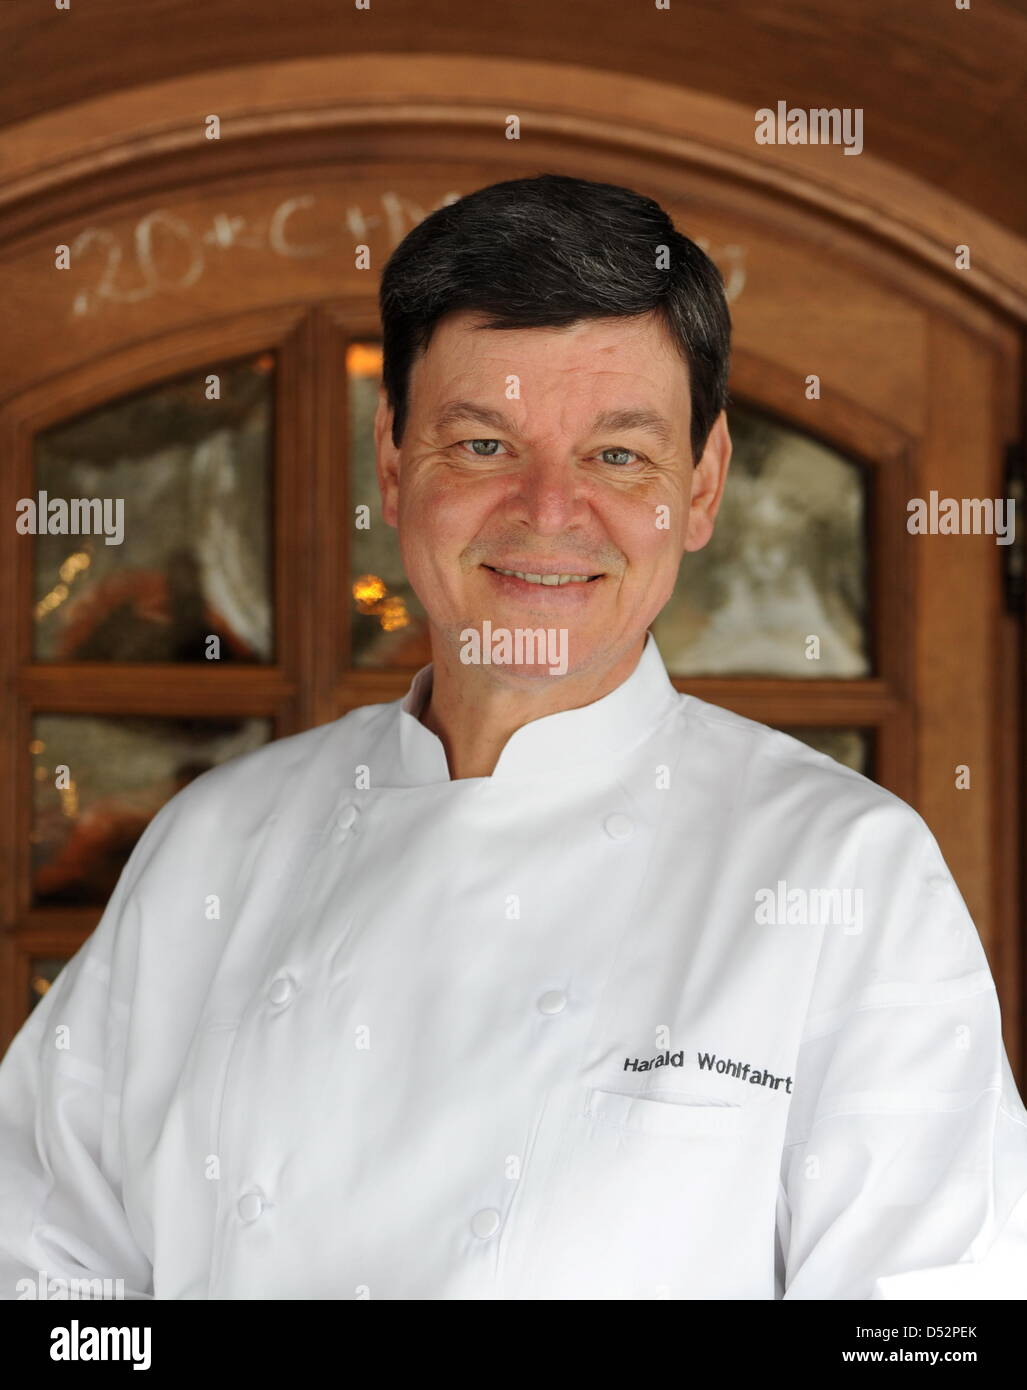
250, 278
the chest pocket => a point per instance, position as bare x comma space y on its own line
652, 1115
630, 1196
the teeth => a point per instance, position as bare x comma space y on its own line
547, 578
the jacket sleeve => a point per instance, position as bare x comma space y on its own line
61, 1210
904, 1172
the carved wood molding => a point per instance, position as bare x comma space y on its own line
130, 142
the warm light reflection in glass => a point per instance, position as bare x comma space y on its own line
74, 564
69, 571
368, 590
69, 800
363, 359
373, 598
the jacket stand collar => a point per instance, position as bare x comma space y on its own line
569, 740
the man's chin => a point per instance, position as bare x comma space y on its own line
536, 647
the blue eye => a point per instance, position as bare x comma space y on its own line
616, 449
472, 442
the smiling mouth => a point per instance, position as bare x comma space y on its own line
546, 580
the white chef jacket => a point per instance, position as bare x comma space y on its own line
348, 1028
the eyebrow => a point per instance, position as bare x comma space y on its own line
631, 418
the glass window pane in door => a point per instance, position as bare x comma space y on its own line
154, 523
99, 780
787, 561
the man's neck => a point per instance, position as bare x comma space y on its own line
475, 712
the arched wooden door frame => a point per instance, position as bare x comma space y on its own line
132, 142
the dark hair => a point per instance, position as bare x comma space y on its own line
545, 252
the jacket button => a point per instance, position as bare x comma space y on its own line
619, 826
485, 1223
552, 1001
250, 1206
280, 991
343, 823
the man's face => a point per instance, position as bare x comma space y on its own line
505, 463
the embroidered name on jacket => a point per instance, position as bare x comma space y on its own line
709, 1061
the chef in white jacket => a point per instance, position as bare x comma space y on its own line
546, 981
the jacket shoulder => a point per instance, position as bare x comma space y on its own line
804, 775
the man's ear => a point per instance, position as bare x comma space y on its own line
708, 479
386, 458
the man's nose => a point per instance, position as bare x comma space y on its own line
550, 492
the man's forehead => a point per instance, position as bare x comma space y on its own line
615, 330
465, 398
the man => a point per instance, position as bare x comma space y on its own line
546, 981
